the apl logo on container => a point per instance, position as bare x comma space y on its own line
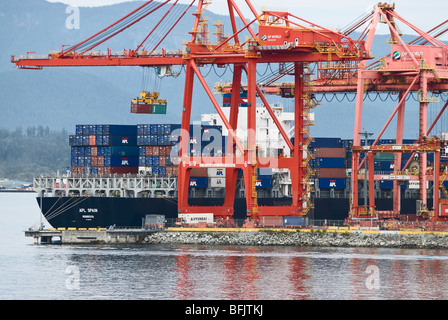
333, 183
124, 162
193, 183
258, 183
220, 172
396, 55
124, 140
219, 181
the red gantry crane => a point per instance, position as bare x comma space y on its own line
420, 66
273, 37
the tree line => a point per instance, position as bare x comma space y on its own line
27, 153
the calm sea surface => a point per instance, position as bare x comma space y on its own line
187, 272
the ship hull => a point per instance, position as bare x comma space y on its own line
94, 212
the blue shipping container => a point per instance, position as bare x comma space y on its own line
328, 163
198, 182
264, 182
329, 183
112, 161
115, 140
111, 129
294, 221
326, 143
123, 151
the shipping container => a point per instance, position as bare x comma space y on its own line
329, 152
123, 151
198, 172
141, 108
384, 156
217, 182
293, 221
216, 172
329, 183
326, 143
330, 172
198, 182
264, 172
115, 161
271, 221
263, 182
193, 218
159, 108
171, 171
118, 170
159, 171
383, 165
92, 140
121, 130
116, 140
328, 163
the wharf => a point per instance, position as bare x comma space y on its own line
89, 236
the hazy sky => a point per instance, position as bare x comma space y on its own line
327, 13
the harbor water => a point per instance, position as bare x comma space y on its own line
187, 272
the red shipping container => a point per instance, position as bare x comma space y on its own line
92, 140
167, 150
162, 161
93, 151
155, 150
100, 161
329, 152
122, 170
141, 108
171, 171
94, 161
198, 172
149, 151
271, 221
330, 172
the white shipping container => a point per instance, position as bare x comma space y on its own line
193, 218
218, 182
144, 170
414, 184
216, 172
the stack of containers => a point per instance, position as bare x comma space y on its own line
155, 149
329, 163
104, 149
159, 143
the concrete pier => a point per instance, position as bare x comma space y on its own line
88, 236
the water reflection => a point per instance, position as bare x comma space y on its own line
271, 273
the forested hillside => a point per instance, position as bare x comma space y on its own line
26, 153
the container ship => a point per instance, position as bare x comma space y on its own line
121, 173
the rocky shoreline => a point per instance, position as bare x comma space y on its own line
319, 238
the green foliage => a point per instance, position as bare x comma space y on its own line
25, 154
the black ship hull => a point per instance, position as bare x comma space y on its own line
94, 212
